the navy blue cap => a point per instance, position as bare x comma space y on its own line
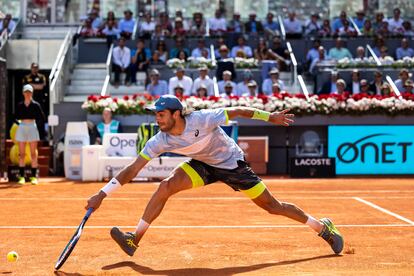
170, 102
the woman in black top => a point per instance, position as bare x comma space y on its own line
28, 112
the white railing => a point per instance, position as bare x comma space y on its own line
60, 72
282, 27
303, 87
355, 26
374, 55
214, 62
294, 66
393, 86
108, 71
135, 30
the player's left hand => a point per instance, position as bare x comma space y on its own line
282, 118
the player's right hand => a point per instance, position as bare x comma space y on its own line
95, 201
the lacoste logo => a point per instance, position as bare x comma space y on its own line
196, 133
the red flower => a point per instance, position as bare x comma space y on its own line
126, 98
115, 100
141, 103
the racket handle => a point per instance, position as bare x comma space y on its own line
89, 212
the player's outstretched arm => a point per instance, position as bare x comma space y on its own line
282, 118
124, 176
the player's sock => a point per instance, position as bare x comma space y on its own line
141, 227
21, 171
316, 225
34, 172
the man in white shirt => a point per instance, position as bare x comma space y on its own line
121, 59
147, 27
218, 24
198, 52
395, 23
182, 79
205, 80
246, 49
267, 85
226, 79
292, 25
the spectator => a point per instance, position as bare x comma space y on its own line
147, 27
360, 52
271, 27
198, 25
38, 83
96, 20
346, 30
162, 50
395, 23
127, 24
262, 52
326, 30
253, 26
312, 26
384, 30
360, 19
383, 52
379, 19
218, 24
408, 32
276, 89
182, 55
205, 80
157, 87
367, 30
223, 53
7, 24
108, 125
278, 48
235, 25
268, 83
165, 24
329, 87
365, 88
386, 90
378, 44
226, 79
354, 87
179, 91
110, 16
29, 112
201, 91
182, 79
339, 22
111, 32
313, 52
179, 46
179, 29
87, 30
139, 61
376, 85
339, 51
228, 90
121, 60
409, 86
220, 42
322, 56
252, 89
179, 14
159, 33
201, 46
404, 50
156, 59
340, 87
293, 26
403, 77
241, 46
242, 86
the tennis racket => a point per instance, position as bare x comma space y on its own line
72, 243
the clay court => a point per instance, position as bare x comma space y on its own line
211, 230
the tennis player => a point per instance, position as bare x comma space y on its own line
215, 157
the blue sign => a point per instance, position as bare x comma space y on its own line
372, 149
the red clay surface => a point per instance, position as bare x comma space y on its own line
211, 230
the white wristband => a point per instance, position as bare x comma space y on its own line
111, 186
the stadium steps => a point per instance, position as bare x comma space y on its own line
44, 157
43, 32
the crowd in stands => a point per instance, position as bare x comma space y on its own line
7, 24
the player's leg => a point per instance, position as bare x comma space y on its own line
183, 178
34, 159
261, 196
22, 156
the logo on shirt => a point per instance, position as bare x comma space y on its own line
163, 103
197, 132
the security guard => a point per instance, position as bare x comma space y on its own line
38, 82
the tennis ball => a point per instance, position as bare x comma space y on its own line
12, 256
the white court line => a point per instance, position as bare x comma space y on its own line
384, 210
201, 226
193, 198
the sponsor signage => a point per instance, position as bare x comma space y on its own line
372, 149
120, 144
312, 167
